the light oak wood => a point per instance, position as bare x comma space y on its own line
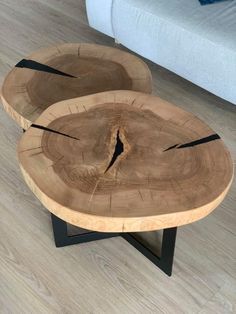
108, 162
109, 276
66, 71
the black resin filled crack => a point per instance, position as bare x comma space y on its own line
34, 65
44, 128
119, 148
203, 140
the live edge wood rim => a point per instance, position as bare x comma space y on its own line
126, 223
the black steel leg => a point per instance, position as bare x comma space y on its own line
62, 238
164, 262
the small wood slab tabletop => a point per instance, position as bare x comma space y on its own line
66, 71
124, 161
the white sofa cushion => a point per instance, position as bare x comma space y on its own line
196, 42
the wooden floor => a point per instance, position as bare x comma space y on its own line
107, 276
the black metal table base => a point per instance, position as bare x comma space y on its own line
164, 261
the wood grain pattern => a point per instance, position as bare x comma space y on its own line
71, 160
106, 276
67, 71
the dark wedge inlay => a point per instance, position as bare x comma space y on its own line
203, 140
34, 65
41, 127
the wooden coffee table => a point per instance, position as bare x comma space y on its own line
122, 162
67, 71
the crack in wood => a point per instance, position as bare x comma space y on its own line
119, 149
35, 154
94, 190
171, 147
44, 128
29, 149
110, 202
140, 194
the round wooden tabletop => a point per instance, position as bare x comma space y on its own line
124, 161
66, 71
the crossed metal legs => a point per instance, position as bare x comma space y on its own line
164, 261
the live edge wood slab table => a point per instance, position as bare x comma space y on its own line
121, 162
66, 71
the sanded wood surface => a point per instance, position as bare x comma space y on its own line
66, 71
124, 161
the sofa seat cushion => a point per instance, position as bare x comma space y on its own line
194, 41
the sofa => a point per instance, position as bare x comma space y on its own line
194, 41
